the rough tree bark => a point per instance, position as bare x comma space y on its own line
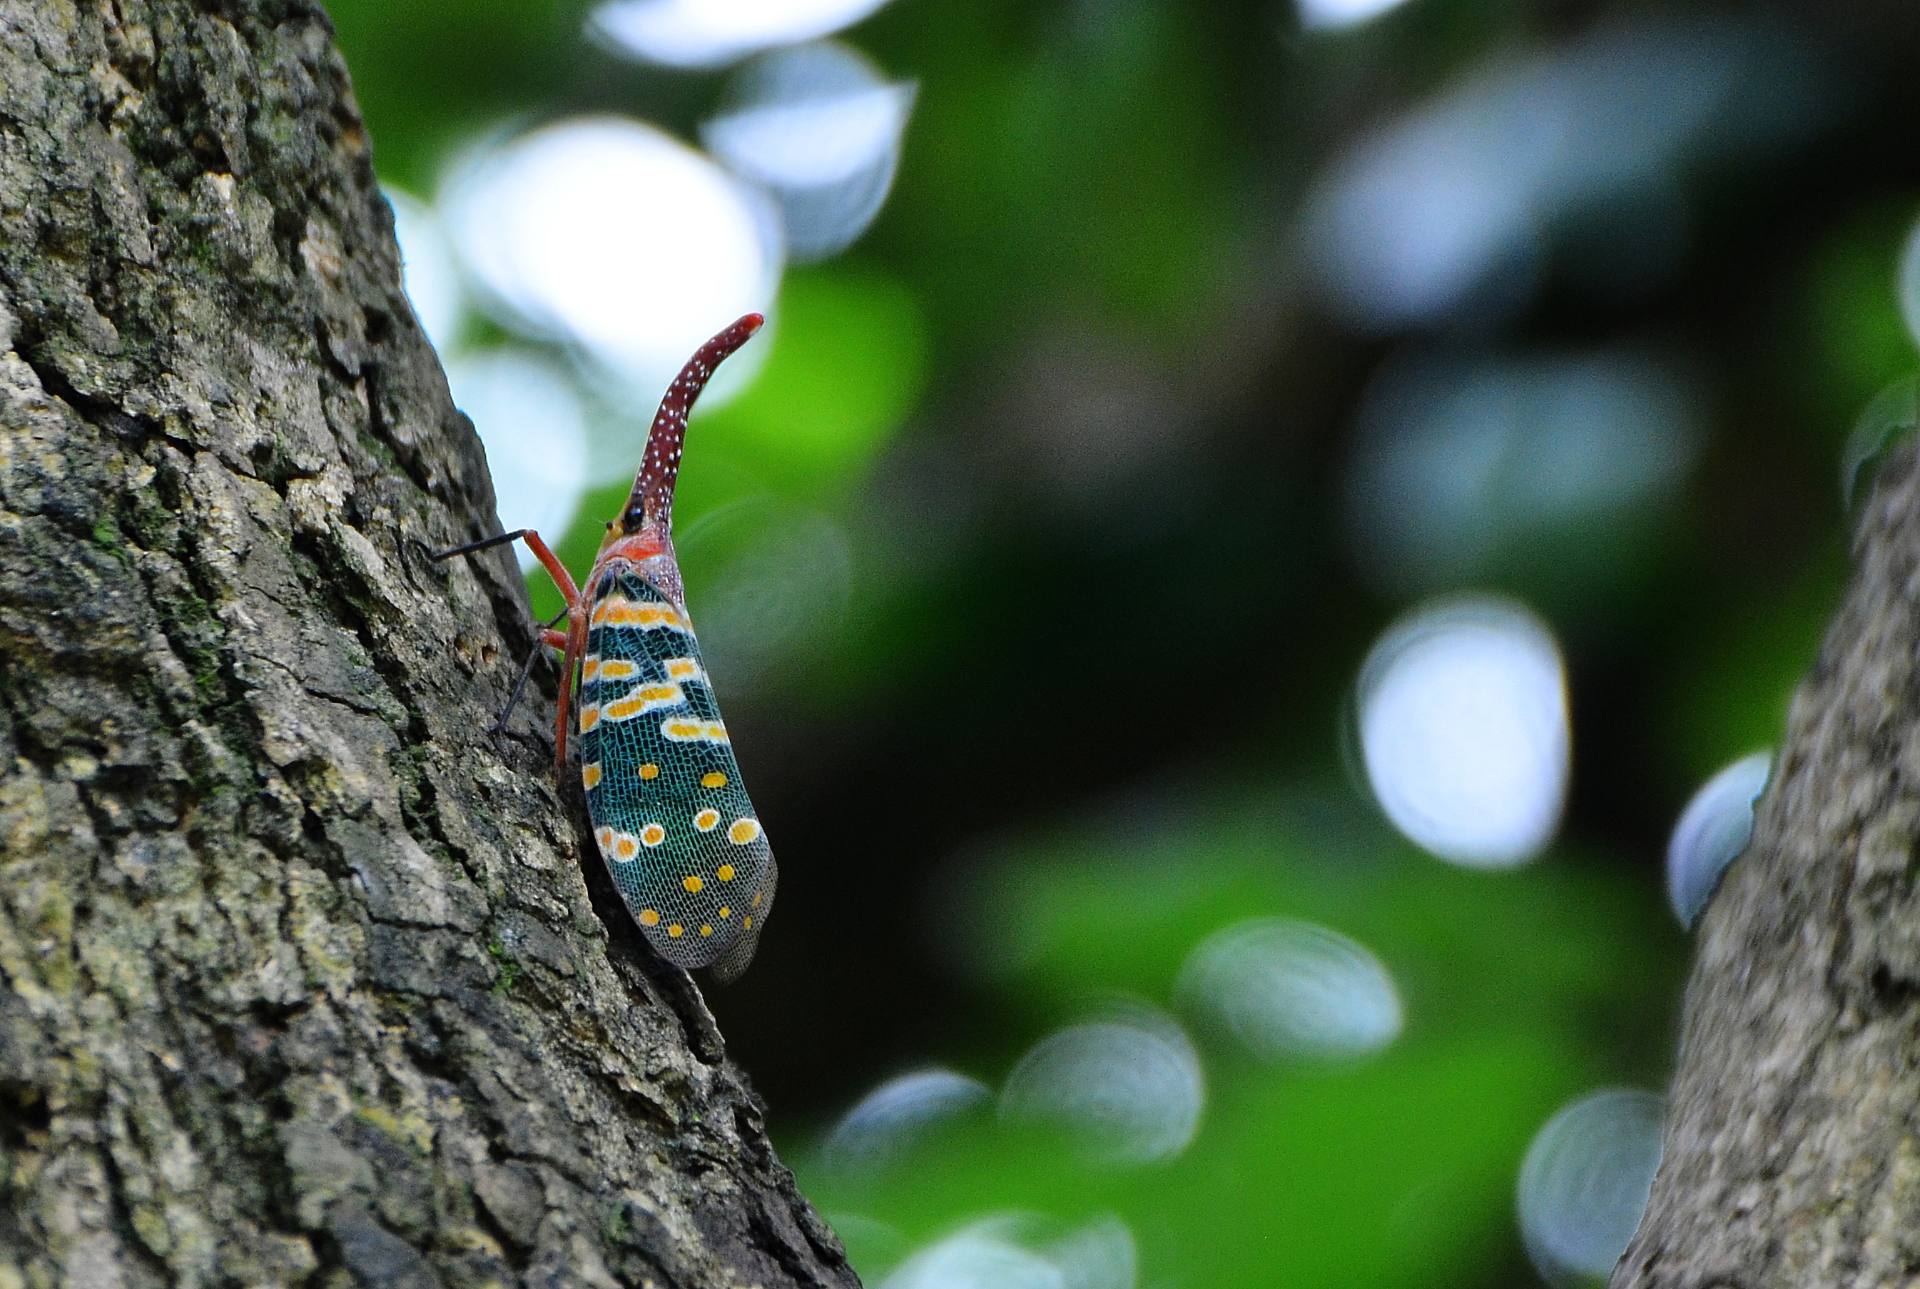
299, 979
1792, 1152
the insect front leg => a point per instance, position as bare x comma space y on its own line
548, 638
574, 641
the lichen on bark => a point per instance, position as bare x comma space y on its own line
299, 977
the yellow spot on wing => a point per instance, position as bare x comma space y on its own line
706, 819
590, 666
682, 669
649, 917
743, 831
590, 774
724, 872
649, 771
625, 847
653, 834
618, 669
706, 928
693, 883
676, 930
713, 779
589, 717
725, 911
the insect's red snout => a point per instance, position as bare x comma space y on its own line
635, 548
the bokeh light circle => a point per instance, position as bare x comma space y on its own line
712, 33
889, 1121
1907, 282
1334, 15
1012, 1251
1292, 990
1712, 832
431, 273
1125, 1089
1465, 465
531, 423
1454, 207
977, 1258
1889, 419
775, 578
1463, 729
616, 237
819, 128
1584, 1183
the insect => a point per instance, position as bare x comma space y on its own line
670, 815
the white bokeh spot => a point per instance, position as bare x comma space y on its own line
1464, 732
431, 273
713, 33
531, 423
1334, 15
819, 127
614, 237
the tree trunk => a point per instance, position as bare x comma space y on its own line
1793, 1126
299, 978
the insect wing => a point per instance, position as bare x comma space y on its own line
670, 815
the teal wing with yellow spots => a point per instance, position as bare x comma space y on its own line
670, 815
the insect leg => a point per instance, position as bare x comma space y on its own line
541, 551
576, 647
576, 626
547, 635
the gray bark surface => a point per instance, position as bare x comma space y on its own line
1792, 1143
300, 981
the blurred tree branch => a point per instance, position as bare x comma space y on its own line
298, 974
1792, 1151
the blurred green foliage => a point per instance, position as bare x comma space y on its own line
1520, 991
